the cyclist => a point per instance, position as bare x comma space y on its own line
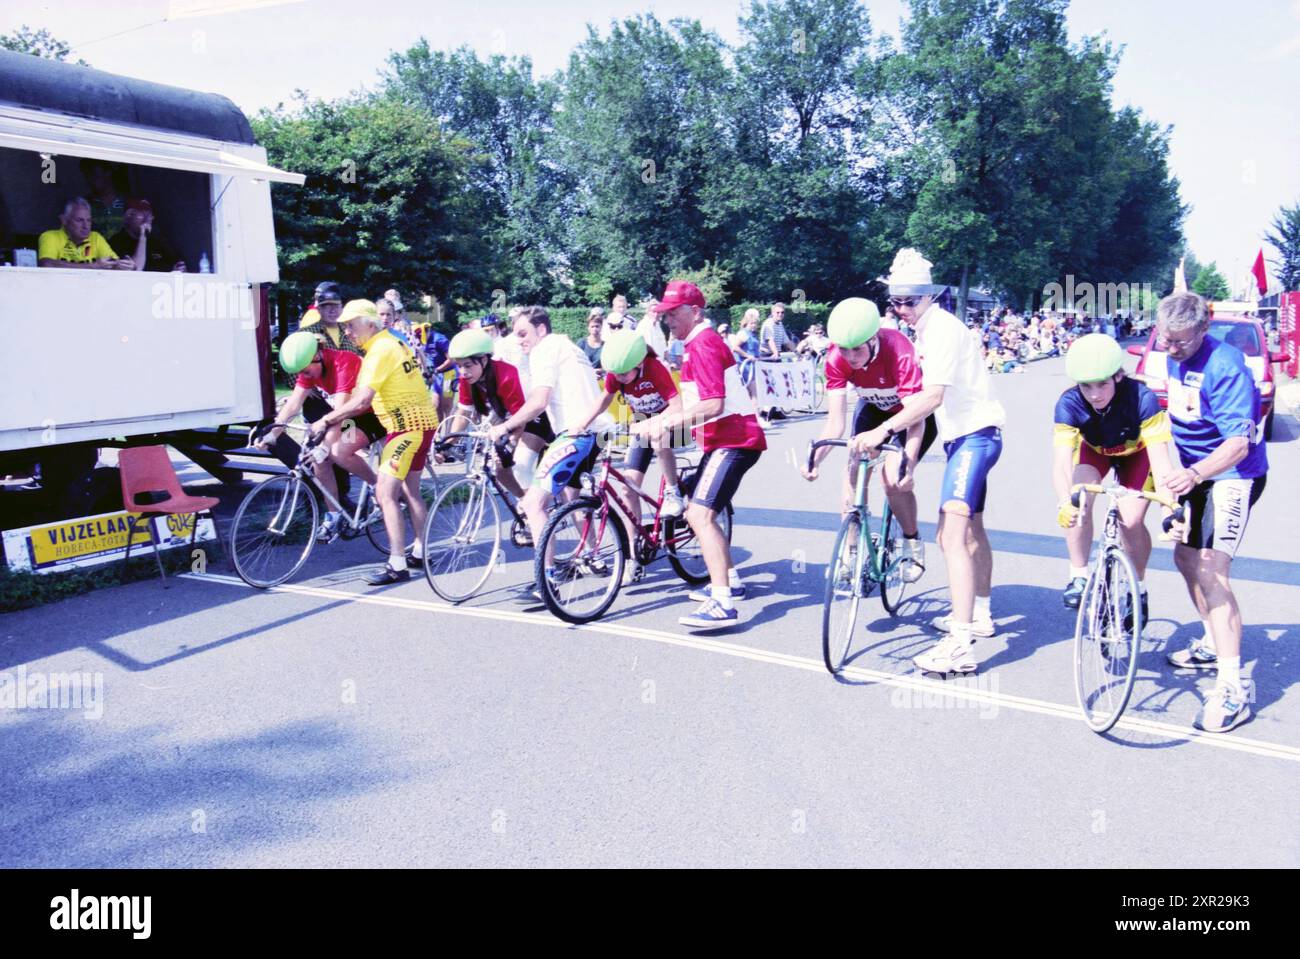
719, 411
1214, 413
633, 370
1107, 421
390, 382
333, 373
564, 387
880, 366
957, 390
491, 389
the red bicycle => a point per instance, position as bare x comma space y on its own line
587, 542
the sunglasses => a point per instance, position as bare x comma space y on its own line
904, 300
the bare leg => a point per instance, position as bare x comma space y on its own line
954, 530
713, 545
1137, 538
981, 556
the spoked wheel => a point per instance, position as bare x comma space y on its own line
893, 557
377, 532
844, 592
588, 548
462, 540
819, 388
274, 531
1105, 654
684, 549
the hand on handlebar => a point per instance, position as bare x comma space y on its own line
495, 433
866, 444
1067, 514
1175, 526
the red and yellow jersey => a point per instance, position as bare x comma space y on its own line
402, 400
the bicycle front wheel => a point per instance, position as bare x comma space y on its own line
377, 532
1105, 654
274, 531
588, 551
843, 594
684, 551
892, 554
462, 540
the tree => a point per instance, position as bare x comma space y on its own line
1285, 237
1210, 284
39, 43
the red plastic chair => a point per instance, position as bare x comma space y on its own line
147, 474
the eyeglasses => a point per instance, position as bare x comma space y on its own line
897, 301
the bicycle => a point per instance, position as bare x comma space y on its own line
274, 529
854, 572
588, 540
1102, 643
462, 536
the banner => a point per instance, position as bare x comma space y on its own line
93, 540
787, 385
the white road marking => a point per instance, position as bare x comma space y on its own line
1042, 707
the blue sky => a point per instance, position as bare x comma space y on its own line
1226, 76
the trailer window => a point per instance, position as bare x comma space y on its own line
35, 186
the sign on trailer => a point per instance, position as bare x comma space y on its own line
92, 540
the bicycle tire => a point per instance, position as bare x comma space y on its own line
456, 562
891, 542
837, 637
1099, 637
690, 566
253, 538
570, 562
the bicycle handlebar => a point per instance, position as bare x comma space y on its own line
892, 446
1177, 511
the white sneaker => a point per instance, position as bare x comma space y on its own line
1198, 654
633, 573
982, 628
913, 567
1227, 707
949, 655
673, 505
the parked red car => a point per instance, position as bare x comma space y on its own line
1246, 334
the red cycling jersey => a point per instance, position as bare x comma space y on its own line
509, 391
650, 392
338, 374
892, 374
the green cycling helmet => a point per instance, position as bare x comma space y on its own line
853, 322
469, 343
623, 352
1093, 358
298, 350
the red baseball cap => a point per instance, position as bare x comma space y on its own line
679, 293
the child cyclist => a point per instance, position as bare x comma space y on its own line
633, 370
880, 366
1106, 422
492, 389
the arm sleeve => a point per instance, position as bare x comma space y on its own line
906, 369
347, 366
543, 367
48, 247
1155, 421
1234, 401
1066, 432
509, 390
611, 384
376, 367
837, 377
709, 362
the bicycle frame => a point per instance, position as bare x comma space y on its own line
482, 472
871, 554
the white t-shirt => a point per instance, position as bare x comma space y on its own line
507, 349
950, 356
559, 363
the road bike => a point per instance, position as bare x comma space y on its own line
860, 563
1108, 630
462, 537
588, 542
275, 526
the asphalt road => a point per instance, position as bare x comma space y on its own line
328, 724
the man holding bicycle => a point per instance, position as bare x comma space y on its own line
1107, 421
391, 383
717, 407
957, 390
881, 368
1214, 411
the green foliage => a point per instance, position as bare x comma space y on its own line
796, 320
39, 43
23, 590
1210, 284
1285, 237
712, 279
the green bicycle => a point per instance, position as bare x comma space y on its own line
860, 563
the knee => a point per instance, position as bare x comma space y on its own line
698, 516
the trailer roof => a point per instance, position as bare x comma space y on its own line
41, 84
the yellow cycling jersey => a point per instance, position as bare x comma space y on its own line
392, 370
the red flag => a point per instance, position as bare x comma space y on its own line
1261, 278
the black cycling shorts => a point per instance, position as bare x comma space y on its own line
868, 416
1217, 512
715, 483
313, 408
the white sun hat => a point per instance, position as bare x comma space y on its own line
910, 275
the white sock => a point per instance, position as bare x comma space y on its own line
1078, 572
1209, 636
331, 516
733, 578
1142, 586
1230, 670
670, 488
722, 594
397, 563
960, 632
417, 549
983, 607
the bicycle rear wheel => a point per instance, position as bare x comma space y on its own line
892, 556
843, 594
274, 531
684, 552
462, 540
1105, 656
589, 549
377, 532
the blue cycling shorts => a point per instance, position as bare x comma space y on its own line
966, 478
564, 461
